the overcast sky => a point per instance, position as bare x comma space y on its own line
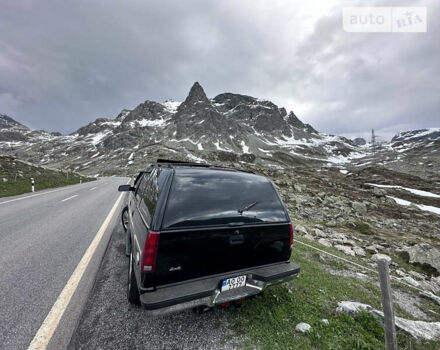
66, 63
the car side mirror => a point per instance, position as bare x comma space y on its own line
125, 188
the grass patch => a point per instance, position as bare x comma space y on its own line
15, 177
362, 227
268, 321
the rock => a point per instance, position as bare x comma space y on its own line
371, 249
352, 307
325, 321
400, 273
301, 229
5, 179
319, 233
411, 281
359, 207
431, 296
303, 327
309, 237
418, 329
345, 249
377, 257
417, 275
359, 251
331, 223
424, 254
324, 242
379, 192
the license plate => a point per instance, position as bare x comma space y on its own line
232, 283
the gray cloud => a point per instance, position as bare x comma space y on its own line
63, 64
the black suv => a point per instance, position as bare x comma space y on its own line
201, 236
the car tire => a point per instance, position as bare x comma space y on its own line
132, 288
124, 218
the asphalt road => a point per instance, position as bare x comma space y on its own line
110, 322
43, 236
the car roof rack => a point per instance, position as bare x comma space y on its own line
171, 163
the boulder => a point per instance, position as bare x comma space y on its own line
324, 242
345, 249
359, 207
352, 307
418, 329
371, 249
359, 251
319, 233
303, 327
424, 254
411, 281
377, 257
379, 192
301, 229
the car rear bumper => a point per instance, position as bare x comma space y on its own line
207, 291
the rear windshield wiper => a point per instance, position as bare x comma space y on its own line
247, 207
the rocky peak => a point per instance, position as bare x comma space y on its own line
196, 96
7, 122
293, 120
121, 116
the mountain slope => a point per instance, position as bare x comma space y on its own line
228, 129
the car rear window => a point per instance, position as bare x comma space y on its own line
215, 197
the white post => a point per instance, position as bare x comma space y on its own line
33, 184
80, 179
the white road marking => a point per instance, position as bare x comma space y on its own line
34, 195
52, 320
93, 188
66, 199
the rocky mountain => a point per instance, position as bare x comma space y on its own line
417, 135
359, 141
414, 152
227, 129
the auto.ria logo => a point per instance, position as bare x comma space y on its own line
384, 19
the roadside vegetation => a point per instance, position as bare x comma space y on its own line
15, 177
268, 321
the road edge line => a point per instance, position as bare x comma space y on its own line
50, 323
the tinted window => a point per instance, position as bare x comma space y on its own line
213, 197
148, 193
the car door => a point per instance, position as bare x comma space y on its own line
141, 216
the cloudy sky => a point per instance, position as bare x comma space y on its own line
66, 63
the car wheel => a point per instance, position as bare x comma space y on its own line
132, 288
124, 217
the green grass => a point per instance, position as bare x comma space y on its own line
363, 228
19, 174
268, 321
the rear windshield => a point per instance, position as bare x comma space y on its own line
217, 197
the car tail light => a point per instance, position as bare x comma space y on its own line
149, 253
291, 235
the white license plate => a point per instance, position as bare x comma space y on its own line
232, 283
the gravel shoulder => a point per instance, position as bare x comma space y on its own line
109, 322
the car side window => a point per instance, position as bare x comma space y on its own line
148, 199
